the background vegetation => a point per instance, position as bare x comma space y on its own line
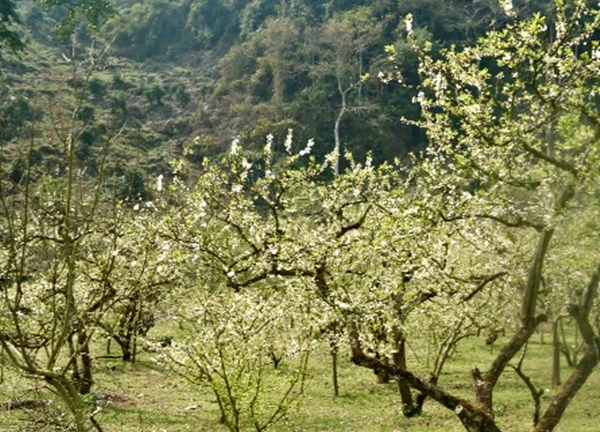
220, 70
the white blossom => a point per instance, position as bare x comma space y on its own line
234, 146
309, 145
409, 24
246, 165
288, 142
269, 145
508, 7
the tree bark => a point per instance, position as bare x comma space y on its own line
71, 397
564, 396
383, 376
408, 406
555, 354
586, 365
127, 330
85, 382
485, 383
336, 127
473, 418
334, 352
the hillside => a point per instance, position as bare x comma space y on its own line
197, 74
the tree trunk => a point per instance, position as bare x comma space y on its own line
476, 421
81, 362
334, 351
2, 361
383, 376
85, 382
134, 347
408, 407
125, 351
71, 398
564, 345
336, 128
555, 354
485, 383
75, 375
124, 336
473, 418
586, 365
564, 396
576, 346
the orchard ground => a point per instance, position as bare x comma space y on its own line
145, 397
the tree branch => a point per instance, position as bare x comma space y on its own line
472, 417
563, 165
483, 283
586, 365
536, 393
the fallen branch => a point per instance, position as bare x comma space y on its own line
23, 404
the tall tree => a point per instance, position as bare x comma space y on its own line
278, 38
344, 42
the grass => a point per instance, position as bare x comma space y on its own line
143, 397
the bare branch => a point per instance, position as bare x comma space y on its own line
483, 283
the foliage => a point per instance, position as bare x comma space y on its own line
59, 252
94, 12
500, 153
499, 177
133, 185
276, 60
232, 51
9, 38
14, 115
96, 88
367, 259
230, 338
150, 28
154, 94
145, 275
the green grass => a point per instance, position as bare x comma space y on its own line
144, 397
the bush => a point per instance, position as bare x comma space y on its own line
83, 151
118, 104
17, 169
14, 115
86, 113
133, 185
96, 87
119, 84
154, 94
182, 95
87, 137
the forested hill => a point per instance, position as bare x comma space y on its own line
194, 74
